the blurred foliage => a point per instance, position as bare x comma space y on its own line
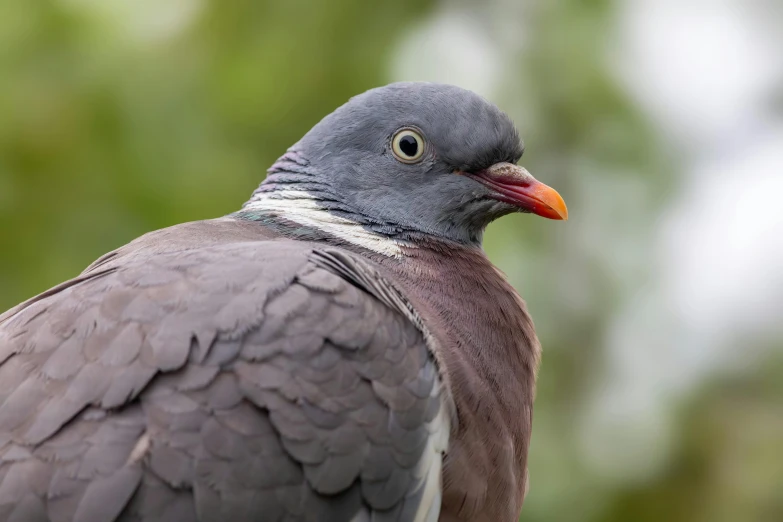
119, 117
726, 469
108, 131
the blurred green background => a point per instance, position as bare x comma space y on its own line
658, 304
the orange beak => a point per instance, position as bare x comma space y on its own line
514, 185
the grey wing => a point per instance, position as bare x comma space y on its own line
236, 382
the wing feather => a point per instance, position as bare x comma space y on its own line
249, 380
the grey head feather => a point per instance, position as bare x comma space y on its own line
346, 165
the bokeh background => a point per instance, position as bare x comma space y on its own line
659, 304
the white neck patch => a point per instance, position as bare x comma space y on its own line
300, 207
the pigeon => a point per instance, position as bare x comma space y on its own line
339, 349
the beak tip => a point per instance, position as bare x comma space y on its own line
555, 202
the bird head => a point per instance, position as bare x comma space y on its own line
418, 158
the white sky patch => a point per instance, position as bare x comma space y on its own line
142, 21
723, 244
450, 47
704, 71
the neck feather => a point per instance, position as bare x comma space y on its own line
292, 193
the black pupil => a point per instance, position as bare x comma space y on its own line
409, 145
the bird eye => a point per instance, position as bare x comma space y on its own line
408, 146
